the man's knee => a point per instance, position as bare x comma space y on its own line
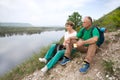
82, 49
93, 46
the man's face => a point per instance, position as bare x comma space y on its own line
86, 23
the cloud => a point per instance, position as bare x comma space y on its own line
57, 11
47, 12
112, 4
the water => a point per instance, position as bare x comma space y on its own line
15, 49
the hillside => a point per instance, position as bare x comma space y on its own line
105, 66
110, 21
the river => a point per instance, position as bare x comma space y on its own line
17, 48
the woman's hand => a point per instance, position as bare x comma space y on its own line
66, 42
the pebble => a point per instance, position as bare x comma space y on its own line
95, 70
107, 76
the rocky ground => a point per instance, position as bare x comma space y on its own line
109, 51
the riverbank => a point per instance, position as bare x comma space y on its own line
105, 65
16, 49
26, 68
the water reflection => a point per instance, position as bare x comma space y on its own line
19, 33
7, 34
16, 48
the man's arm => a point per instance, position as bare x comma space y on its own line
91, 40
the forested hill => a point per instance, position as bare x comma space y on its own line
111, 20
5, 24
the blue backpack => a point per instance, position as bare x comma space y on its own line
101, 38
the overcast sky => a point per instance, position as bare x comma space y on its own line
52, 12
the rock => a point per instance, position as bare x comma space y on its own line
107, 76
110, 78
95, 70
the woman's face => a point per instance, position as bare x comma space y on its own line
68, 27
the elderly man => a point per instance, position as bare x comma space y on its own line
86, 43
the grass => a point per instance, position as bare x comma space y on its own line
26, 68
107, 41
108, 67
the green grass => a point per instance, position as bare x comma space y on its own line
110, 21
108, 67
26, 68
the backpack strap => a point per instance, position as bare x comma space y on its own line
83, 32
91, 33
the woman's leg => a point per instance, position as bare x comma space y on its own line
50, 53
55, 59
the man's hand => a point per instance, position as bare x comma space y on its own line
89, 41
80, 43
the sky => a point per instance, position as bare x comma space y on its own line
52, 12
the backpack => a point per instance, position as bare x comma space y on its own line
101, 38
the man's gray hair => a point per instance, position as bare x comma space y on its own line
89, 18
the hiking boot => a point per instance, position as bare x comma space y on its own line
43, 60
85, 67
44, 69
65, 61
